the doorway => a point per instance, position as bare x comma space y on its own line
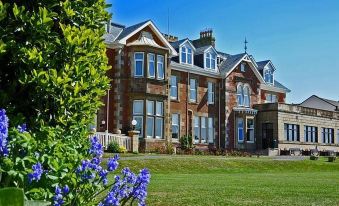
267, 135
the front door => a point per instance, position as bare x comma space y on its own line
267, 135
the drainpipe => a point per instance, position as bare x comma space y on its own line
107, 109
219, 114
188, 79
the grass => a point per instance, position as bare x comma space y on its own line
211, 180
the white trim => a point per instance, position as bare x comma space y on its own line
134, 64
213, 92
163, 66
194, 70
206, 51
148, 63
254, 69
188, 41
156, 31
186, 54
272, 88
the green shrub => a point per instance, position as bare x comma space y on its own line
186, 142
113, 147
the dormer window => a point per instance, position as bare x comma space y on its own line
268, 76
186, 55
210, 60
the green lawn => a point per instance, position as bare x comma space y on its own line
209, 180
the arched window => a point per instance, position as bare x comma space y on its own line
240, 95
247, 96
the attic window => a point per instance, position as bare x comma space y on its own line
186, 55
210, 60
242, 67
268, 76
146, 35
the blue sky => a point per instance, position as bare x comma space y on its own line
301, 37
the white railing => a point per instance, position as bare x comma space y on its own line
105, 138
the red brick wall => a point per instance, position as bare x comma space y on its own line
232, 80
280, 96
201, 108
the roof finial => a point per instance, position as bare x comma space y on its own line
245, 42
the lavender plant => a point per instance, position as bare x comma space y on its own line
44, 174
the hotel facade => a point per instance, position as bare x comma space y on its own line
175, 87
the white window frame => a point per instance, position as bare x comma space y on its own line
194, 89
174, 87
210, 92
203, 127
137, 115
196, 124
248, 129
268, 72
242, 67
177, 115
189, 54
142, 65
240, 95
209, 56
210, 128
149, 61
155, 114
183, 53
246, 96
240, 128
159, 57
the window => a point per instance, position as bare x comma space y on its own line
268, 75
250, 130
203, 130
210, 130
155, 119
151, 66
240, 97
138, 64
328, 135
210, 60
193, 90
174, 87
310, 134
242, 67
183, 54
247, 97
175, 126
240, 128
210, 92
160, 67
196, 129
271, 98
189, 56
291, 132
338, 136
138, 111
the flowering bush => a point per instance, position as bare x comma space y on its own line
52, 170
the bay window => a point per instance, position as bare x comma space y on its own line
250, 130
328, 135
160, 67
151, 65
210, 130
155, 119
240, 129
203, 133
138, 115
138, 64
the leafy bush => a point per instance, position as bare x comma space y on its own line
186, 142
44, 177
113, 147
122, 149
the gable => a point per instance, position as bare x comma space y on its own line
317, 103
146, 29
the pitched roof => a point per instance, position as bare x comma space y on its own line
230, 62
279, 85
332, 102
130, 29
176, 44
201, 50
262, 64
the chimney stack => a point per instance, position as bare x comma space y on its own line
207, 36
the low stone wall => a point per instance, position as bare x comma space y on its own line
308, 147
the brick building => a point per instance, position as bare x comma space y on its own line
183, 87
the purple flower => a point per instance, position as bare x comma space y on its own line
3, 133
37, 172
96, 148
112, 163
22, 128
65, 190
58, 198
